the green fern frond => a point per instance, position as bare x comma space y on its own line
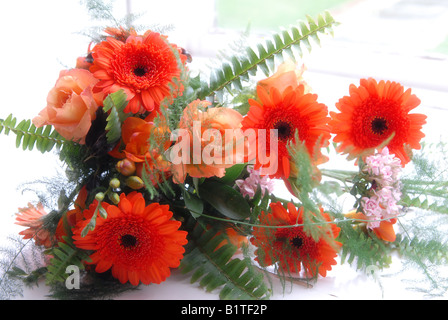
115, 104
64, 255
289, 43
28, 136
363, 250
428, 203
434, 251
216, 268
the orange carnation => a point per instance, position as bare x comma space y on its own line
71, 105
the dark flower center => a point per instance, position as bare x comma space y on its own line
296, 242
284, 129
379, 126
140, 71
128, 241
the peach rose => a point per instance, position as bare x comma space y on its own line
286, 75
202, 149
71, 105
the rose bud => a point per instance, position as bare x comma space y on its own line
126, 167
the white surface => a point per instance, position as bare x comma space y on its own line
44, 40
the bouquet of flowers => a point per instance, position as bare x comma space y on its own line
168, 170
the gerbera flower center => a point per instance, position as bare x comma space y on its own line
128, 241
140, 71
379, 126
284, 129
296, 242
296, 238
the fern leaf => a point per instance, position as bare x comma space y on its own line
28, 136
363, 250
216, 268
64, 255
426, 204
115, 104
281, 44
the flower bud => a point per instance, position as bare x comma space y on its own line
114, 197
103, 212
126, 167
114, 183
99, 196
135, 182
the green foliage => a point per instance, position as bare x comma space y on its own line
425, 181
64, 255
28, 136
217, 268
362, 249
93, 286
422, 250
226, 200
115, 104
284, 44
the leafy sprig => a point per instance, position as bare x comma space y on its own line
211, 260
44, 138
289, 43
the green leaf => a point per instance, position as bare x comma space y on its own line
115, 104
28, 136
218, 269
233, 173
64, 255
226, 200
238, 68
193, 204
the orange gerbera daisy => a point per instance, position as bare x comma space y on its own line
292, 247
32, 218
145, 67
138, 243
372, 113
288, 112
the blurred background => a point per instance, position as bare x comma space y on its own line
399, 40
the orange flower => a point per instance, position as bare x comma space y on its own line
287, 112
145, 67
32, 218
287, 75
384, 231
203, 144
72, 216
138, 243
120, 33
85, 62
71, 105
372, 113
145, 144
291, 246
233, 238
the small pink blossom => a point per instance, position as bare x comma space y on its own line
250, 185
383, 166
372, 210
382, 202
